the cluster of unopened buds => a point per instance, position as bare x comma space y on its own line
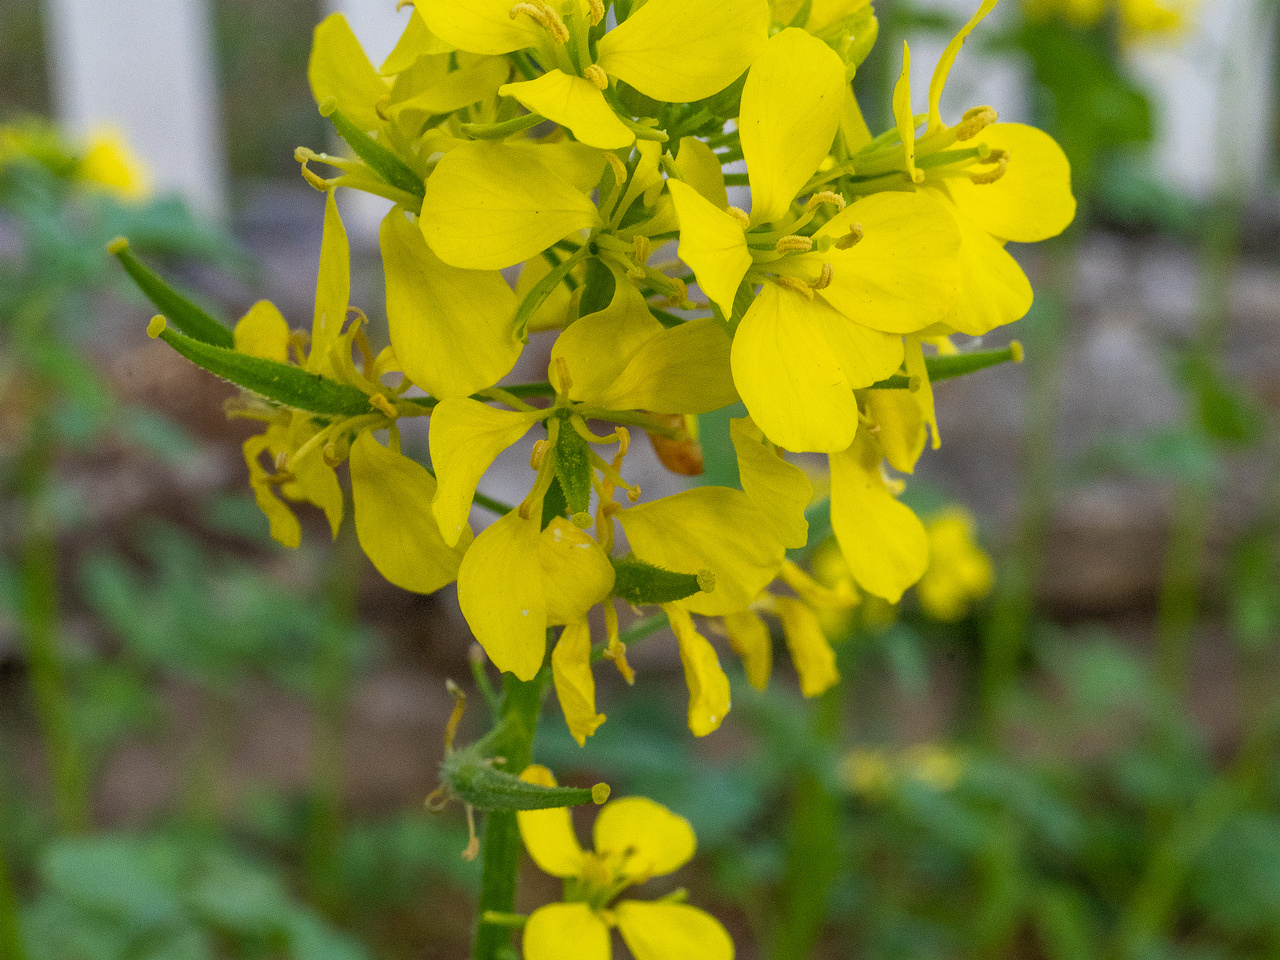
558, 169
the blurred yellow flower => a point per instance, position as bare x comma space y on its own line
110, 163
960, 571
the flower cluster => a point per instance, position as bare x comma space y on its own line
541, 155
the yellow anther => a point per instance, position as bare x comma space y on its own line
681, 294
1015, 350
303, 156
597, 11
539, 454
618, 167
851, 238
973, 122
156, 326
597, 76
562, 374
824, 278
1001, 160
547, 18
794, 244
385, 405
282, 461
641, 247
600, 793
624, 444
118, 245
917, 175
799, 286
633, 493
825, 196
740, 215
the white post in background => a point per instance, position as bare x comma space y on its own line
378, 25
144, 68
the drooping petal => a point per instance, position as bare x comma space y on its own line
701, 170
452, 329
684, 369
903, 274
923, 395
711, 243
466, 436
649, 839
750, 639
943, 69
548, 834
488, 206
340, 69
811, 652
480, 26
333, 292
791, 108
1032, 201
902, 432
575, 684
314, 481
503, 604
576, 572
788, 375
576, 103
707, 528
263, 332
883, 542
902, 115
679, 52
671, 931
779, 489
992, 289
284, 526
392, 497
708, 686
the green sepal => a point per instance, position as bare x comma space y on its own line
573, 468
477, 782
542, 289
381, 160
956, 365
641, 583
176, 307
278, 382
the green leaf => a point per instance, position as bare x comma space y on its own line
181, 311
279, 382
381, 160
640, 583
573, 468
475, 779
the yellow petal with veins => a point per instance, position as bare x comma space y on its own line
576, 103
711, 243
683, 369
902, 114
576, 572
791, 109
902, 432
575, 684
597, 348
647, 837
780, 489
707, 683
480, 26
671, 931
565, 931
811, 652
701, 170
339, 68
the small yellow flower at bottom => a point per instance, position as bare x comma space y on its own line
635, 839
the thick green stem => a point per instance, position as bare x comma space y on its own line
511, 739
812, 862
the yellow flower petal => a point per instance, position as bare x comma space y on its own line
707, 528
285, 528
679, 52
708, 686
684, 369
576, 103
488, 206
313, 480
333, 292
504, 606
392, 498
416, 42
943, 69
575, 684
883, 542
263, 332
598, 347
576, 163
576, 572
811, 652
902, 114
548, 834
924, 394
780, 489
1032, 201
902, 432
649, 839
340, 69
565, 931
452, 329
671, 931
788, 375
853, 128
751, 641
791, 109
110, 162
466, 436
903, 274
701, 170
430, 87
480, 26
711, 243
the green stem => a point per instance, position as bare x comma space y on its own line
500, 849
11, 945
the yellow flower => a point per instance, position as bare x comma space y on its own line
960, 571
636, 839
110, 163
874, 773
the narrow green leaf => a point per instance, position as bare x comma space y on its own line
279, 382
381, 160
640, 583
180, 311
